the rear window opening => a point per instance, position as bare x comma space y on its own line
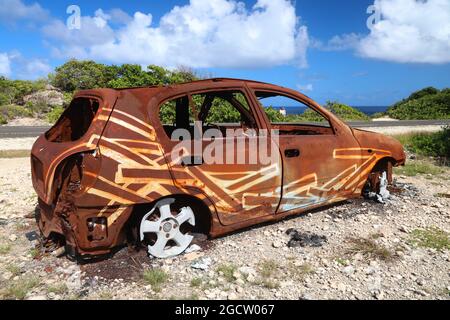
75, 120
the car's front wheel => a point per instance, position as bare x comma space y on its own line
166, 229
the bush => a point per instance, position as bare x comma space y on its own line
346, 112
8, 112
425, 104
54, 115
435, 144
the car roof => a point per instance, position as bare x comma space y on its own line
203, 82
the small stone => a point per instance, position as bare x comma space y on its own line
277, 244
232, 296
348, 270
12, 237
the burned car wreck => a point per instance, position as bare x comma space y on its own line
111, 170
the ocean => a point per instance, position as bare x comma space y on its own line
367, 110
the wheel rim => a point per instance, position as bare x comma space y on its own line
168, 238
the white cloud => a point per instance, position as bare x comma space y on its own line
203, 33
5, 65
306, 87
416, 31
338, 42
33, 69
12, 11
13, 64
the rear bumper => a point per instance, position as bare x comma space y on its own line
87, 231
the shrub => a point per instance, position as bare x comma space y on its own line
54, 115
8, 112
425, 104
346, 112
435, 144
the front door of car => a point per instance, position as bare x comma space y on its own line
320, 164
215, 147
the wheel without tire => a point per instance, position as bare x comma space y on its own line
166, 229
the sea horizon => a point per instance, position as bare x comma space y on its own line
368, 110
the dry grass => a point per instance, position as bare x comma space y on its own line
370, 249
18, 289
14, 153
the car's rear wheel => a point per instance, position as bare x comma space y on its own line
166, 229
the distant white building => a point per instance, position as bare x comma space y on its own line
283, 111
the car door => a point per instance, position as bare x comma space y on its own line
219, 158
321, 158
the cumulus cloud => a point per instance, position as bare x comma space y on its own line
33, 69
416, 31
5, 64
12, 11
203, 33
338, 42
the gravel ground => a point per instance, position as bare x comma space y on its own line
362, 250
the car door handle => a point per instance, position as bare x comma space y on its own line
292, 153
191, 161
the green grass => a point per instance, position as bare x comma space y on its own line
431, 237
19, 289
5, 248
14, 153
342, 262
155, 277
435, 144
414, 168
34, 252
267, 268
227, 270
14, 269
58, 288
196, 282
369, 249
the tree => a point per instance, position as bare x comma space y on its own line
79, 75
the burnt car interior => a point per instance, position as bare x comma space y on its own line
75, 121
207, 108
313, 123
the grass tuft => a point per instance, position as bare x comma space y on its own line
432, 237
196, 282
369, 249
227, 270
5, 248
267, 268
19, 289
414, 168
155, 277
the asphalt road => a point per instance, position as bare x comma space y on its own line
24, 132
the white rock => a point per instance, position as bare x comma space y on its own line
12, 237
277, 244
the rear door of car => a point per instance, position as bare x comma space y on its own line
240, 189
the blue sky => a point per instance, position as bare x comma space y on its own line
322, 48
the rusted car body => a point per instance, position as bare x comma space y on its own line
105, 164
